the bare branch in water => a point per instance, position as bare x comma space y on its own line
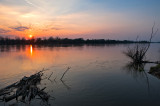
65, 72
138, 52
50, 75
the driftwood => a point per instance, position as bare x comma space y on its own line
25, 90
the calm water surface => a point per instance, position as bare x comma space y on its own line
98, 74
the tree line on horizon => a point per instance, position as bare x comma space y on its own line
57, 40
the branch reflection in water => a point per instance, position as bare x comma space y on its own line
137, 71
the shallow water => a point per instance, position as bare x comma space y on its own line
98, 74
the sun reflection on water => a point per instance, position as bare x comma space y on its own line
31, 50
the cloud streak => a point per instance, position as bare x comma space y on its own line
20, 28
56, 28
30, 3
4, 31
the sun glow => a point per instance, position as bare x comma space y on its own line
30, 36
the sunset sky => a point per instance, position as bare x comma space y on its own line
108, 19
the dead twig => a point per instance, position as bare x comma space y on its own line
50, 75
65, 72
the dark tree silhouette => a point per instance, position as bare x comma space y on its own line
57, 40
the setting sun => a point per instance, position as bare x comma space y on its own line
30, 36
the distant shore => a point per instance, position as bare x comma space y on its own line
51, 40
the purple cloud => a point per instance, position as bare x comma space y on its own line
4, 31
20, 28
56, 28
